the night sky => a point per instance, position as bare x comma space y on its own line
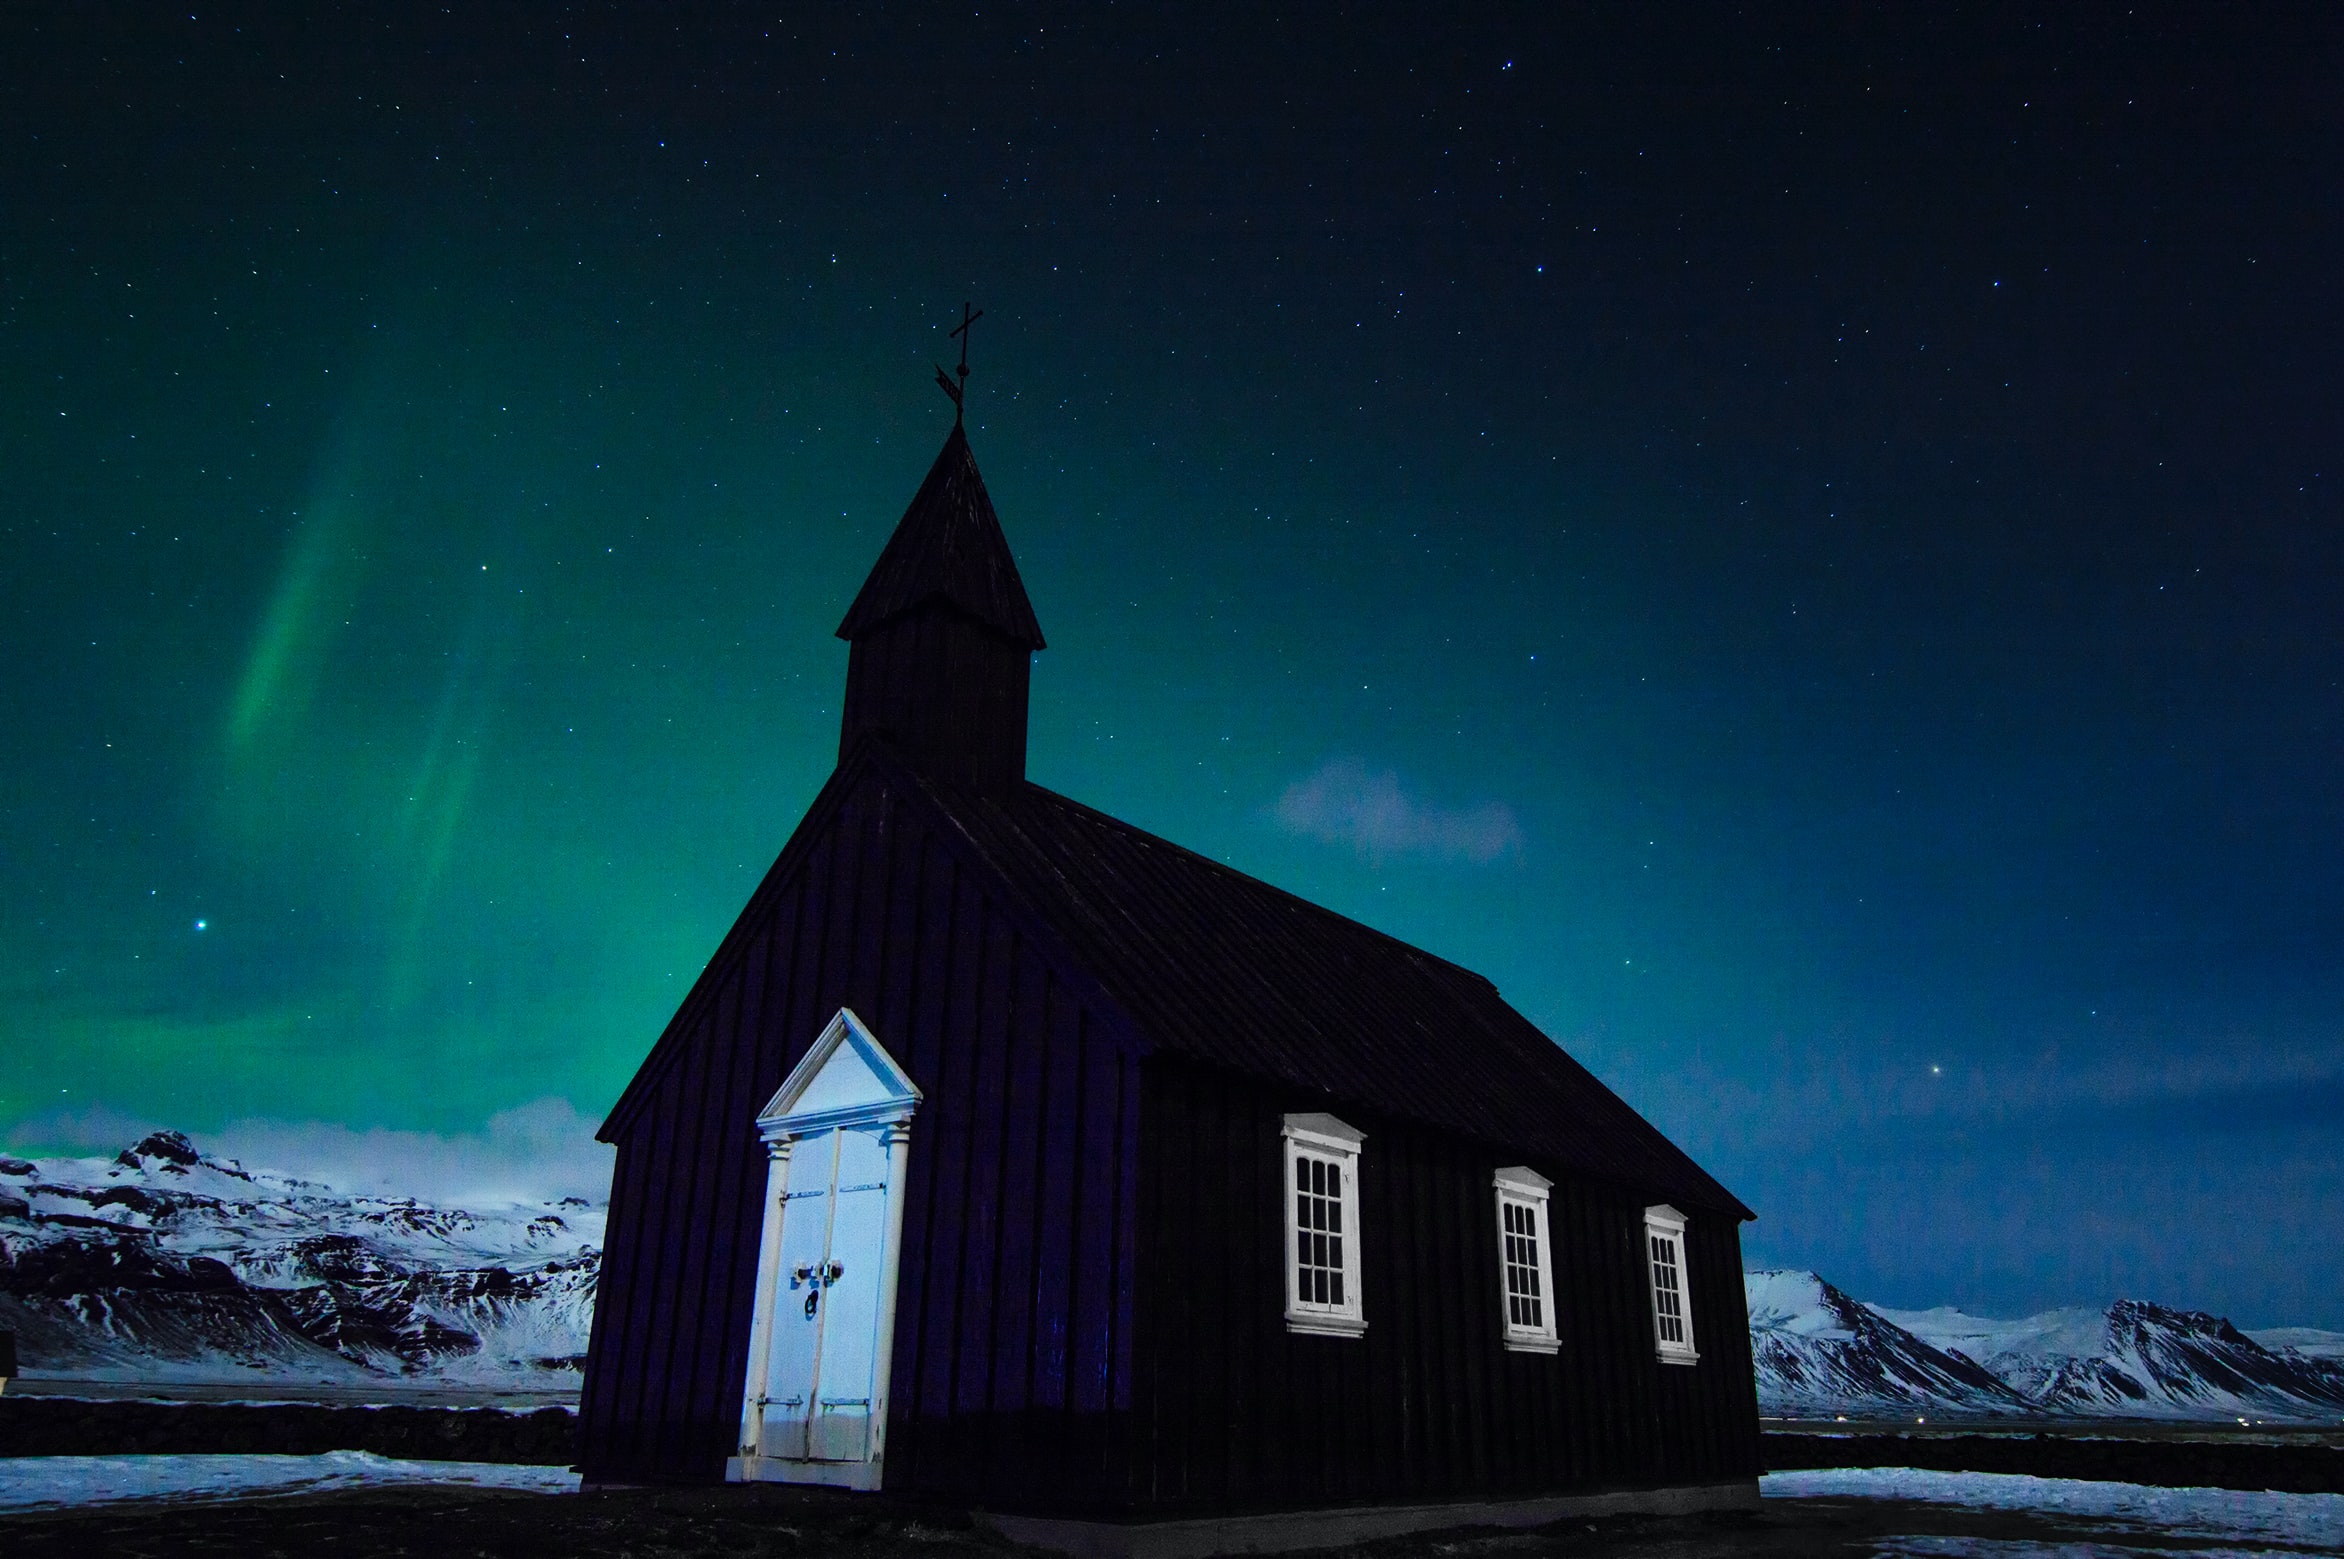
1808, 550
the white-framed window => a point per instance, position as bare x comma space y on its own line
1672, 1297
1322, 1226
1526, 1284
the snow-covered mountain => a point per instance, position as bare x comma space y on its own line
166, 1264
2137, 1359
1821, 1354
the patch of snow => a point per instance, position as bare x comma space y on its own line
2073, 1332
57, 1482
2309, 1341
2299, 1523
1798, 1303
1940, 1546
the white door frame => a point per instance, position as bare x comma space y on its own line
876, 1097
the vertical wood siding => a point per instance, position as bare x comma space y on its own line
946, 690
1090, 1311
1013, 1332
1234, 1412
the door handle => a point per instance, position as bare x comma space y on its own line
817, 1276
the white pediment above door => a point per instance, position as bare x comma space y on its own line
847, 1076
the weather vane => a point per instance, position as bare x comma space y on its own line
944, 380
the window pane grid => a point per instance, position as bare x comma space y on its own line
1318, 1232
1668, 1301
1525, 1303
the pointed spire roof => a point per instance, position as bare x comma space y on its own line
948, 547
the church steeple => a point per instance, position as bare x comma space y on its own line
943, 635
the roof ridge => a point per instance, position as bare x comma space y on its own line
869, 755
786, 865
1108, 819
939, 798
1349, 1042
1189, 956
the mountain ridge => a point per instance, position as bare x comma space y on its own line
165, 1264
1823, 1354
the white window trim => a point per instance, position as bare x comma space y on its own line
1526, 1188
1663, 1222
1323, 1136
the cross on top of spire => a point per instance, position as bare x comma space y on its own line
944, 382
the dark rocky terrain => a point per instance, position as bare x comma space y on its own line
2301, 1468
2303, 1463
775, 1523
64, 1426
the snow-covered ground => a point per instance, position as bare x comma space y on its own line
2274, 1523
2082, 1520
53, 1482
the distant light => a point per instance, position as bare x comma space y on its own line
199, 925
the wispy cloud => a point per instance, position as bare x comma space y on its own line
535, 1152
1343, 801
1818, 1091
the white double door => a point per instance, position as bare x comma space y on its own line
820, 1377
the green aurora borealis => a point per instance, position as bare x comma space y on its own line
1883, 632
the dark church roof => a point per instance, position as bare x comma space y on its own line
1213, 964
1202, 960
948, 547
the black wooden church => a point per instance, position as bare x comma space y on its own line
1005, 1153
